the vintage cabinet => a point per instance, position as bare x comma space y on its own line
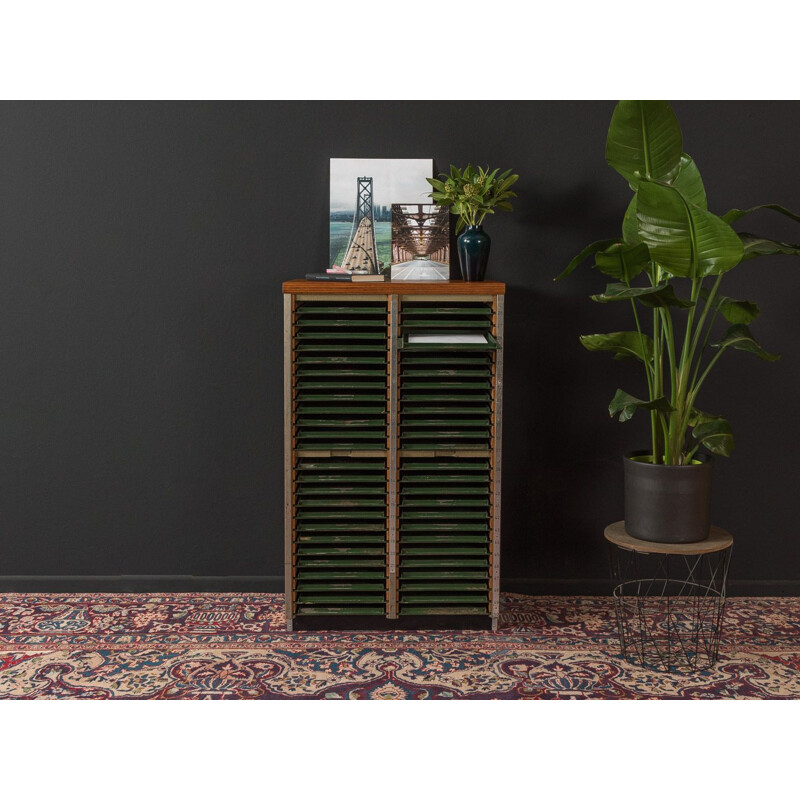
393, 403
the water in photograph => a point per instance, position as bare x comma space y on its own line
340, 236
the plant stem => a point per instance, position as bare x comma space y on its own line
690, 454
674, 384
648, 366
709, 302
657, 374
649, 373
696, 388
699, 360
690, 387
679, 417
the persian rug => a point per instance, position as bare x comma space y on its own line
231, 646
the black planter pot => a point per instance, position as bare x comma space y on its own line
473, 253
667, 504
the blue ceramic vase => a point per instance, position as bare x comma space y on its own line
473, 252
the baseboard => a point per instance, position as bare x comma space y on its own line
141, 583
275, 583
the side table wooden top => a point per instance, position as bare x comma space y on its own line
717, 540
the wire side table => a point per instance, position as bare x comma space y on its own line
669, 599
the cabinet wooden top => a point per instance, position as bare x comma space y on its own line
394, 287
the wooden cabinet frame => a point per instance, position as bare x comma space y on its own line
396, 296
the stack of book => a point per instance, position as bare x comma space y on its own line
344, 275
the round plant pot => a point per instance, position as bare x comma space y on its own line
473, 252
667, 504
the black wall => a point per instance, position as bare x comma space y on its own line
142, 248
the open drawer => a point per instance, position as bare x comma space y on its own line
447, 340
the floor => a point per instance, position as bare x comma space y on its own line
228, 646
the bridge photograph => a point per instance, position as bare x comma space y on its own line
420, 243
363, 191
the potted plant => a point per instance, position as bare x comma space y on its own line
472, 194
668, 265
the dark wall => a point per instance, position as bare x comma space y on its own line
142, 248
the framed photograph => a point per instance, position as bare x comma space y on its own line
420, 242
363, 191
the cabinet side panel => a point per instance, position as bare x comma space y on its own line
288, 466
497, 451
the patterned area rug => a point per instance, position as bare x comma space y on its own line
228, 646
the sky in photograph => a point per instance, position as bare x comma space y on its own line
394, 180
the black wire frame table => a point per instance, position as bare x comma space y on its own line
669, 599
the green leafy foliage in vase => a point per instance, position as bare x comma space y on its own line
473, 193
668, 265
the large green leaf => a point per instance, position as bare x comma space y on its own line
587, 251
623, 344
659, 296
689, 183
698, 417
644, 140
759, 246
684, 239
716, 435
741, 312
621, 261
739, 338
626, 404
630, 225
736, 213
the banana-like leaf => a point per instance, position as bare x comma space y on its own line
622, 261
626, 404
759, 246
630, 225
689, 183
739, 338
644, 140
684, 239
698, 417
589, 250
651, 296
623, 344
736, 213
715, 435
737, 312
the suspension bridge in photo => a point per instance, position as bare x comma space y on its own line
362, 252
